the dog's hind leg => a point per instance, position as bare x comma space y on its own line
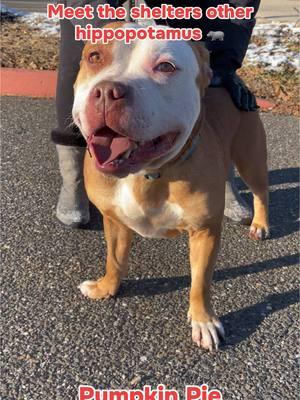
118, 238
249, 153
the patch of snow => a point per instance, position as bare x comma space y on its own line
274, 52
36, 20
40, 21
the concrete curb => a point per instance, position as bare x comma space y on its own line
28, 83
42, 84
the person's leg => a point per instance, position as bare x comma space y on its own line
226, 57
73, 205
236, 209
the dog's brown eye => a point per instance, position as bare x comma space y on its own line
94, 57
165, 67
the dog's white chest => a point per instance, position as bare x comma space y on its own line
147, 221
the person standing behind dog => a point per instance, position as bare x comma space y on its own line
226, 57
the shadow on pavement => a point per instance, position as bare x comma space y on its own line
261, 266
276, 177
284, 212
96, 221
284, 203
156, 286
241, 324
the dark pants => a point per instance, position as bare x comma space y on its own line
226, 55
69, 59
70, 55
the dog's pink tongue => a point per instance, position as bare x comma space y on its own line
109, 146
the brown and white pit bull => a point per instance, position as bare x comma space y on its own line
161, 146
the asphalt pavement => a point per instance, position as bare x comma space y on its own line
55, 339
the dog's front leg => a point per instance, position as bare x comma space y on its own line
206, 327
118, 239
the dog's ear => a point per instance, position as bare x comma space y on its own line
205, 74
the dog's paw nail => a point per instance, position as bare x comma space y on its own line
100, 289
85, 287
258, 233
219, 326
206, 334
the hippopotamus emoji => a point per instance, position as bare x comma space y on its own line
216, 35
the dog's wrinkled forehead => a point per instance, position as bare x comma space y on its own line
117, 59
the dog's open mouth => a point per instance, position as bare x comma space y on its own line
114, 152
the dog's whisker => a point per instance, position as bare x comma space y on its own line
71, 125
89, 151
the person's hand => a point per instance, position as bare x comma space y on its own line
241, 95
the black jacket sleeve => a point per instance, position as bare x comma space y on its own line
226, 55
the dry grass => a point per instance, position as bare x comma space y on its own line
281, 88
24, 47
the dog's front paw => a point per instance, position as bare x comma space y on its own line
101, 289
258, 232
208, 334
